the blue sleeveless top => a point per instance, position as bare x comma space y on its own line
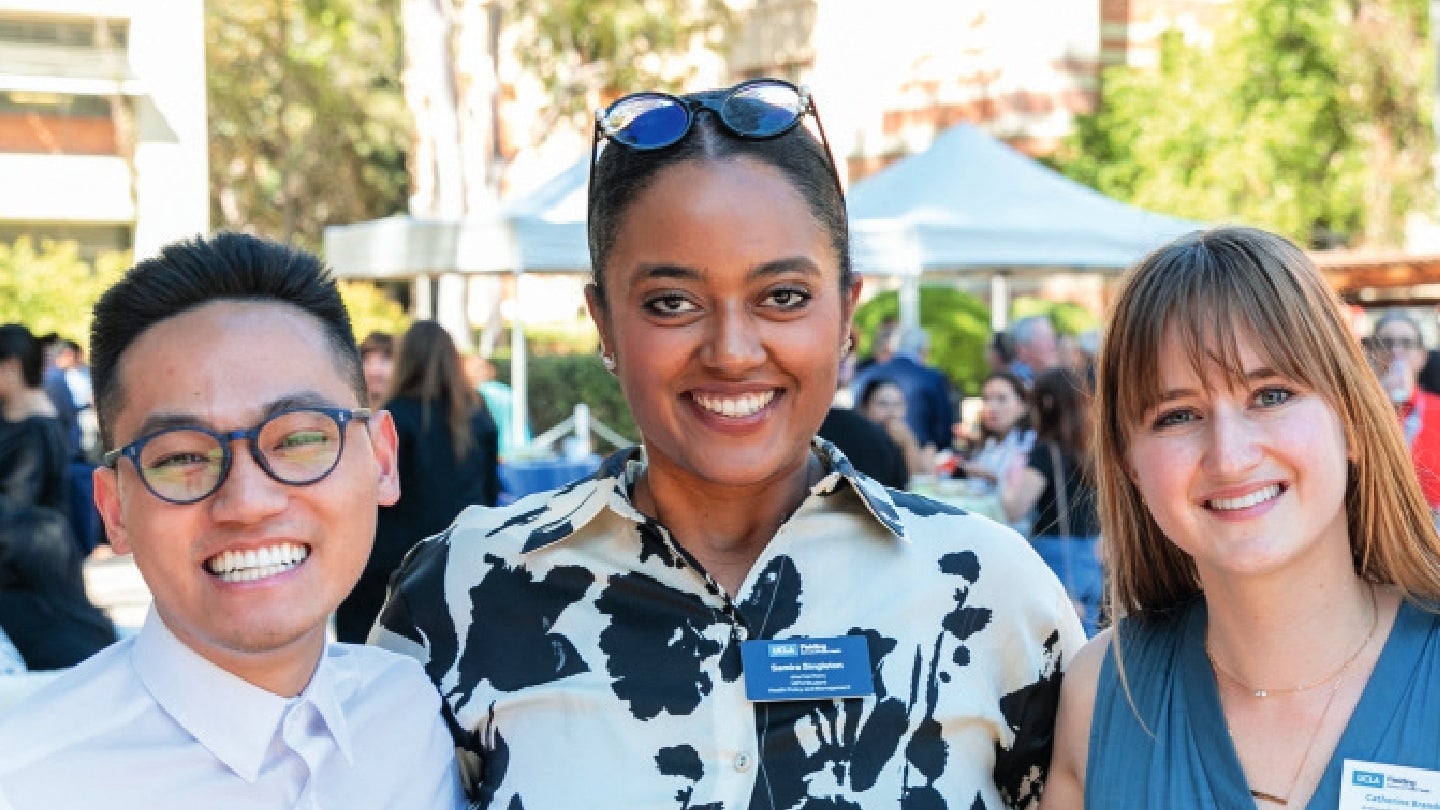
1191, 763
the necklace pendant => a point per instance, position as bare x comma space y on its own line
1270, 797
1261, 693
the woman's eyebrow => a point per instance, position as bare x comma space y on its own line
791, 264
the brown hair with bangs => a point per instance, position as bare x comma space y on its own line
1209, 290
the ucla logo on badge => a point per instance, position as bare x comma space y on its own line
784, 650
1368, 779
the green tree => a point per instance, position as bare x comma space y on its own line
49, 288
957, 322
308, 126
585, 51
1309, 117
371, 310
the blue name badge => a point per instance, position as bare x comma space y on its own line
807, 669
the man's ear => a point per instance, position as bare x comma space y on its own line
385, 443
107, 500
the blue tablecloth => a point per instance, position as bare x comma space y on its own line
521, 478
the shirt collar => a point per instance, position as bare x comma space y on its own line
234, 719
570, 508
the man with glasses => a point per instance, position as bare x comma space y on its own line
1399, 355
245, 477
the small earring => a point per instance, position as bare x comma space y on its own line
608, 361
848, 347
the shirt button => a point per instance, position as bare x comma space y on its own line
742, 762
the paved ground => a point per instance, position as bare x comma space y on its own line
115, 585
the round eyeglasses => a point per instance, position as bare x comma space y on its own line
185, 465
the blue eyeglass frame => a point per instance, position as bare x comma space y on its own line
714, 101
342, 416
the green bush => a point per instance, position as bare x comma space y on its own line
49, 288
558, 382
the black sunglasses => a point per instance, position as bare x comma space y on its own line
758, 109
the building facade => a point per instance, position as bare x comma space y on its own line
102, 122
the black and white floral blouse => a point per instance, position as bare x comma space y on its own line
586, 661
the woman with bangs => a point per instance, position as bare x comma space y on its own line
1274, 566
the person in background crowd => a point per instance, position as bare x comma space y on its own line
1275, 568
611, 628
34, 453
55, 361
245, 475
377, 359
1078, 352
1035, 346
449, 456
866, 444
1053, 487
1429, 378
43, 605
999, 354
882, 346
1005, 437
883, 403
67, 383
499, 399
929, 407
1399, 355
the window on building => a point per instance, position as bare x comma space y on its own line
56, 124
65, 33
90, 240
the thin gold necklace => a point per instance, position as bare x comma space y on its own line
1261, 692
1337, 676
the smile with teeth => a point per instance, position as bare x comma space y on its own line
258, 563
735, 407
1255, 498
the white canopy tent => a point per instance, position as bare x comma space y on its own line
971, 204
542, 232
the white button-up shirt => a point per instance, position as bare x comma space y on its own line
148, 723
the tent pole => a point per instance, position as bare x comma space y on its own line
450, 310
910, 303
999, 302
519, 375
422, 299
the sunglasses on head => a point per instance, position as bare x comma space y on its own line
758, 109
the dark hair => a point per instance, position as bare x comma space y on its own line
871, 388
17, 341
378, 343
194, 272
427, 368
621, 175
1060, 403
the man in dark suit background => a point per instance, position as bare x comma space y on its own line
930, 409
